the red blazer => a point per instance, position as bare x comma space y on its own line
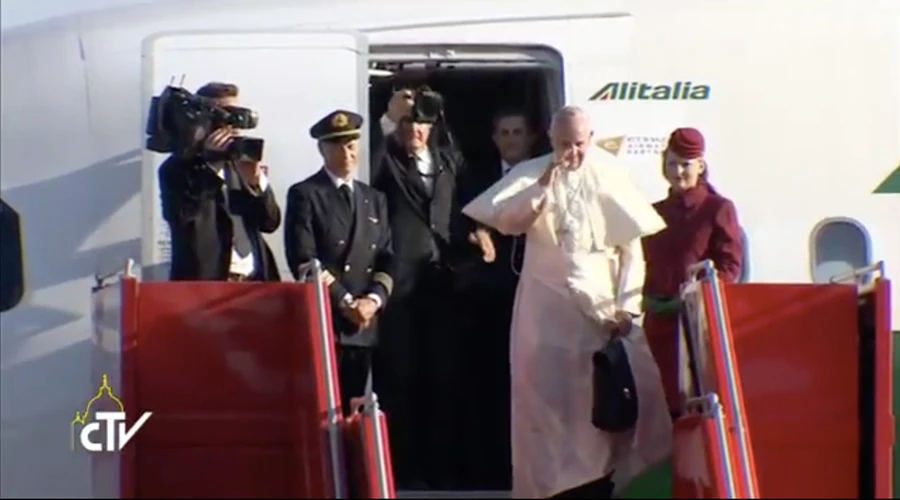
700, 224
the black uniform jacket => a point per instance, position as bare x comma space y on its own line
426, 223
193, 203
354, 248
501, 275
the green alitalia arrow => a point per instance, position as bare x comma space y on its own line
890, 185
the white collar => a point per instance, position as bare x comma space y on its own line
423, 155
337, 181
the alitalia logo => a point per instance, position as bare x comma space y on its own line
643, 91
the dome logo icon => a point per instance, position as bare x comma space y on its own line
111, 415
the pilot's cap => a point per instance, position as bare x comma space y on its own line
338, 125
687, 143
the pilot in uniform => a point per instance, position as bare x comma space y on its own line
344, 224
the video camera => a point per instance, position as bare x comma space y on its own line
428, 105
179, 122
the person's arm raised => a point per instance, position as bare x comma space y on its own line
517, 214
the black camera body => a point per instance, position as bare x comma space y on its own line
179, 122
428, 105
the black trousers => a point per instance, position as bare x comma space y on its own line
417, 365
487, 387
353, 370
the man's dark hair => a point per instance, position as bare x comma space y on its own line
218, 90
511, 112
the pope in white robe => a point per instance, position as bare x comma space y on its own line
581, 279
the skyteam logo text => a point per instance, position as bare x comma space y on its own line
633, 145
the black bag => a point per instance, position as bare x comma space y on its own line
615, 405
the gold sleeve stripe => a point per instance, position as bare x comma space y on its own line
384, 280
327, 278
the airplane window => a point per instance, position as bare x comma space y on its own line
745, 265
839, 246
12, 279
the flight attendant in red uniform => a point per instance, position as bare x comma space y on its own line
701, 224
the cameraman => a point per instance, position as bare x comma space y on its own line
419, 358
217, 210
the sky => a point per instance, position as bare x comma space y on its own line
17, 12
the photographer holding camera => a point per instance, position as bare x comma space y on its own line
418, 361
215, 193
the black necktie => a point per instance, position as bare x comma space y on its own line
347, 195
240, 240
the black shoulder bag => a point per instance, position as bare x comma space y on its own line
615, 405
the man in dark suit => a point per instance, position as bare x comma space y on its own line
419, 364
217, 210
490, 289
344, 224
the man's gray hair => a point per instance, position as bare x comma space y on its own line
568, 113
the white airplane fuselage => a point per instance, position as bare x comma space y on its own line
800, 102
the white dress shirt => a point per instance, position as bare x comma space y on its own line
425, 166
338, 182
242, 265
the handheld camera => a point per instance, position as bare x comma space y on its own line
179, 122
428, 105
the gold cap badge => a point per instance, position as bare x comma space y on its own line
340, 120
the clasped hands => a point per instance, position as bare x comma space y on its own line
361, 311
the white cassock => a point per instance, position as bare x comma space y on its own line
583, 261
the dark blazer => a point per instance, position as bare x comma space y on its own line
193, 203
354, 249
426, 226
497, 276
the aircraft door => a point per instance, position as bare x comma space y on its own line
291, 78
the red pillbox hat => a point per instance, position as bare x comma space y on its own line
687, 143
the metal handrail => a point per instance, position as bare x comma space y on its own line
371, 410
694, 270
711, 275
865, 277
312, 272
877, 267
709, 405
101, 279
